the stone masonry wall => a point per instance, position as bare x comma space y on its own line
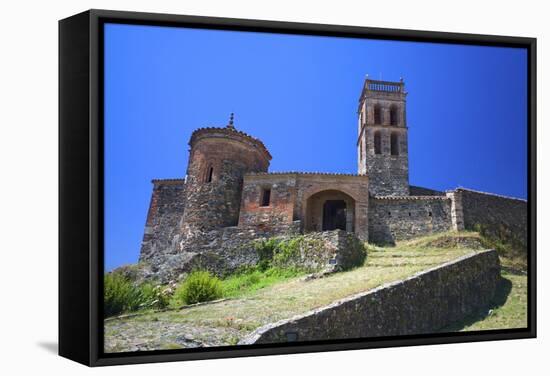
327, 251
499, 216
398, 218
220, 251
423, 303
388, 174
421, 191
226, 250
163, 218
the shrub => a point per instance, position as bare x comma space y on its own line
200, 286
119, 295
154, 296
265, 250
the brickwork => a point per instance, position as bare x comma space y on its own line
219, 158
280, 209
300, 196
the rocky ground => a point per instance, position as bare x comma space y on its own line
136, 335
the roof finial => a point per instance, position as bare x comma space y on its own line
230, 125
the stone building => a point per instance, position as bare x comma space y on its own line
229, 196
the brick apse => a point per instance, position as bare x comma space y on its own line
230, 196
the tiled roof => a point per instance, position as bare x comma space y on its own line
410, 198
487, 193
230, 130
302, 173
168, 181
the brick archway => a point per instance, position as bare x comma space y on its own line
328, 210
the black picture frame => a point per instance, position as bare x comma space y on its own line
81, 182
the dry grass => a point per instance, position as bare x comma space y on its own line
298, 296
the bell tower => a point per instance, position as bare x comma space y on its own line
382, 143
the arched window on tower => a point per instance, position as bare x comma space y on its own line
209, 174
394, 119
377, 143
394, 142
377, 114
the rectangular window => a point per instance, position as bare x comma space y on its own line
266, 197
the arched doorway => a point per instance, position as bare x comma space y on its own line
334, 215
330, 210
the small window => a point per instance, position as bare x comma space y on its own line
429, 214
377, 143
393, 115
389, 214
377, 114
409, 214
209, 174
394, 141
266, 197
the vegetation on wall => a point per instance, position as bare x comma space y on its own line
511, 249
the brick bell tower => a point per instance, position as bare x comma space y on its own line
382, 143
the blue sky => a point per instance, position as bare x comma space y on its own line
466, 110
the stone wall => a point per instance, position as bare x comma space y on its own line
398, 218
219, 251
502, 217
327, 251
423, 303
226, 250
388, 174
163, 218
421, 191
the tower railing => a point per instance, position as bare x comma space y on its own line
386, 86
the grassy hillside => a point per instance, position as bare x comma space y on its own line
227, 321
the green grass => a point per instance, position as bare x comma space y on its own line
252, 280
